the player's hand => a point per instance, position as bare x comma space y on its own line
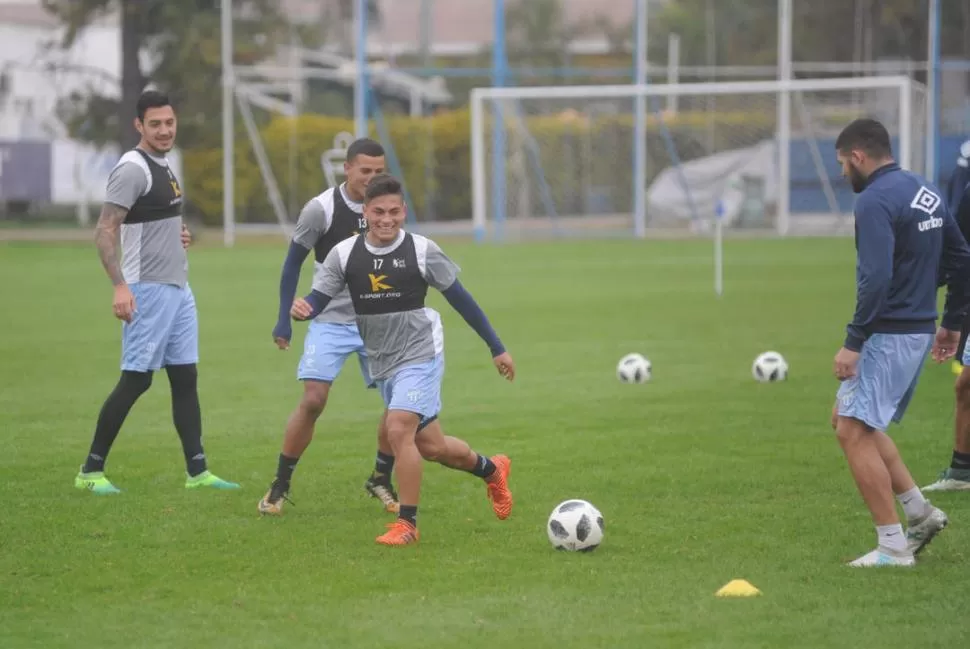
282, 333
505, 365
945, 344
301, 309
124, 303
186, 236
845, 362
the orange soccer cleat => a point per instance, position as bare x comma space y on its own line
400, 532
497, 485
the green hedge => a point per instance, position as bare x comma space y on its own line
435, 156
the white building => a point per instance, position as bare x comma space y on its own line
36, 73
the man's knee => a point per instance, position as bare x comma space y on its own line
401, 427
430, 449
135, 383
850, 431
431, 444
314, 399
184, 378
962, 387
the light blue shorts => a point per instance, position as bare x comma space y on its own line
325, 350
416, 388
164, 329
886, 377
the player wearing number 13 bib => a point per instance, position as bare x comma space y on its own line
325, 221
388, 272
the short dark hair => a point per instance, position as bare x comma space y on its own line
151, 99
383, 185
866, 135
364, 146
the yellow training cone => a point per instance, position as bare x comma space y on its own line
737, 588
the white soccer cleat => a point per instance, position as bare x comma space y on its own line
948, 482
884, 557
920, 533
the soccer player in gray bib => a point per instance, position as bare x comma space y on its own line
388, 272
152, 297
326, 220
905, 238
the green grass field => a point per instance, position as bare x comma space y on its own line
702, 474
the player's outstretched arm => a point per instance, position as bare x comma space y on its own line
309, 307
289, 280
313, 223
327, 282
876, 243
463, 302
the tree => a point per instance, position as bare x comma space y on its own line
537, 33
347, 10
745, 31
181, 39
338, 22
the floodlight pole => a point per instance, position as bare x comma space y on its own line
499, 78
360, 85
933, 94
784, 115
640, 126
228, 127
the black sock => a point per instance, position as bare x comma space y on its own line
960, 461
187, 415
484, 467
409, 513
284, 471
384, 464
113, 413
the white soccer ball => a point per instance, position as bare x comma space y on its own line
770, 367
634, 368
575, 525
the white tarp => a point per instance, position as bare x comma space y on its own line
710, 180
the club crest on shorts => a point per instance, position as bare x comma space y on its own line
847, 398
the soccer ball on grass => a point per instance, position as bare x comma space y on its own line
769, 367
575, 525
634, 368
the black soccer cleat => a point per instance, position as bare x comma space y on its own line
379, 486
272, 502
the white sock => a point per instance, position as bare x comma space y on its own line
914, 503
891, 536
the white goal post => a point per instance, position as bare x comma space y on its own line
726, 156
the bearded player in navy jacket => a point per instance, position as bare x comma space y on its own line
905, 241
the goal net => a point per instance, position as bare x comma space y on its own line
564, 161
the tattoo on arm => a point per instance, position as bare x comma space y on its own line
106, 239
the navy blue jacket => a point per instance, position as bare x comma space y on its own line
905, 240
961, 212
960, 179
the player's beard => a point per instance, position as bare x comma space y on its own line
856, 178
162, 148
